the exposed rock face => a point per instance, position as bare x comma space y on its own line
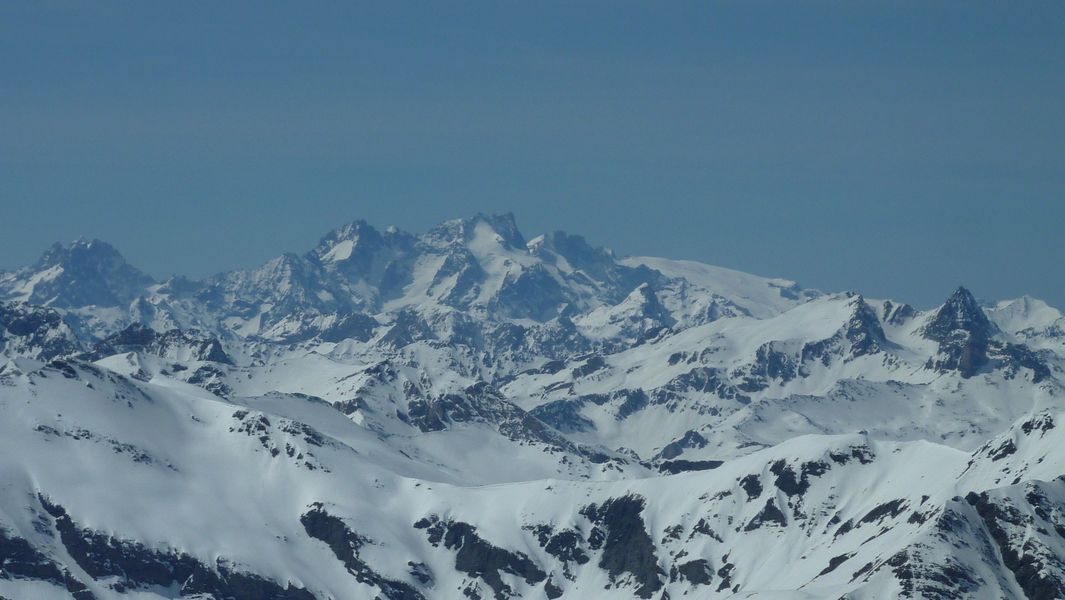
20, 560
769, 515
84, 273
863, 330
861, 335
683, 466
1014, 357
345, 544
1027, 531
967, 342
480, 559
366, 260
482, 403
627, 549
897, 314
963, 332
696, 572
567, 545
595, 264
174, 344
35, 332
563, 415
467, 413
134, 566
690, 439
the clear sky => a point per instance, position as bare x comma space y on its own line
894, 148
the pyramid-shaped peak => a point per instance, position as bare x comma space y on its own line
961, 311
962, 305
962, 296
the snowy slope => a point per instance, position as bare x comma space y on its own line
190, 474
467, 413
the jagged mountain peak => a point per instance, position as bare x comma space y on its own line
82, 273
461, 413
82, 249
961, 312
357, 242
970, 342
462, 231
962, 297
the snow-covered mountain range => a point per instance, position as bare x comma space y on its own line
467, 413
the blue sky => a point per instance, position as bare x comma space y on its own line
896, 149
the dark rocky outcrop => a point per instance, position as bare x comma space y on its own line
567, 545
212, 379
198, 345
834, 563
1014, 357
482, 403
796, 484
1024, 534
627, 548
897, 314
683, 466
930, 578
769, 514
963, 332
752, 485
20, 560
695, 572
706, 380
771, 363
564, 415
138, 566
345, 544
860, 335
355, 325
969, 342
532, 294
480, 559
288, 438
35, 332
890, 509
407, 328
691, 439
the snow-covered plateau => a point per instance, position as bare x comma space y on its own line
468, 414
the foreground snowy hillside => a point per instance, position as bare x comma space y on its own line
469, 414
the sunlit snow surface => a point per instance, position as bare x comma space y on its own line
470, 415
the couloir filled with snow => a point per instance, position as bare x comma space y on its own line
466, 413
